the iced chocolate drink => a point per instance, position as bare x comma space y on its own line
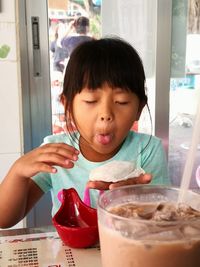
142, 226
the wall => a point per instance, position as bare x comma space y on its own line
10, 88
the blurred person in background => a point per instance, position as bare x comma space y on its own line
77, 33
59, 53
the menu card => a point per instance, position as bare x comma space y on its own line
44, 250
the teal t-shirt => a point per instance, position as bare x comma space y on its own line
146, 150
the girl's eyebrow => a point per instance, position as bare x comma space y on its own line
121, 91
89, 90
117, 90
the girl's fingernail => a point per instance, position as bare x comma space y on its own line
66, 161
75, 157
111, 186
77, 152
54, 170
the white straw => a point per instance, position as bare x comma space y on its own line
187, 174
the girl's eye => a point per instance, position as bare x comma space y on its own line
122, 102
90, 101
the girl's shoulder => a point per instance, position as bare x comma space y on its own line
55, 138
60, 138
142, 137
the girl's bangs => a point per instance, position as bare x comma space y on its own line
110, 72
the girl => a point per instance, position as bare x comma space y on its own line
103, 95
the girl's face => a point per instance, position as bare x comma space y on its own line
103, 118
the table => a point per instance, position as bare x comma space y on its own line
42, 247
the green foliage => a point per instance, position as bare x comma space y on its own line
4, 50
95, 26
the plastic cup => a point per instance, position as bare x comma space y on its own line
142, 242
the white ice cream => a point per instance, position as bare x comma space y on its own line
115, 171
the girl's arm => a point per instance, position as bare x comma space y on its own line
17, 197
18, 193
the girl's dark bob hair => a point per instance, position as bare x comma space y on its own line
107, 60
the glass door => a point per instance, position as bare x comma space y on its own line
143, 23
184, 87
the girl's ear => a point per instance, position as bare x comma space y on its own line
140, 108
63, 101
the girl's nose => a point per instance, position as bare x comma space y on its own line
106, 117
106, 113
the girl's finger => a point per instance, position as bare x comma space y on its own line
98, 185
60, 149
56, 159
142, 179
43, 167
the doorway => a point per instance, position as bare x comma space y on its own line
142, 23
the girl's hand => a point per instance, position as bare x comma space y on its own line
142, 179
44, 159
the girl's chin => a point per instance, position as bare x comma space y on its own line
96, 148
107, 150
